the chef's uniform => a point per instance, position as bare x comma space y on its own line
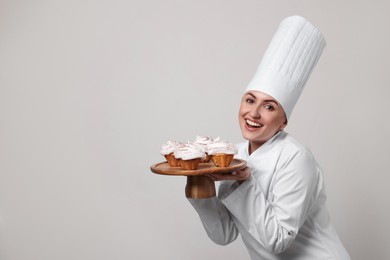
279, 211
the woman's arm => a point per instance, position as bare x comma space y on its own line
216, 220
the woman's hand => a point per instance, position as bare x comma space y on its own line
239, 176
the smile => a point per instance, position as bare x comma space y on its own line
253, 124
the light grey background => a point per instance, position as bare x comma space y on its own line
89, 90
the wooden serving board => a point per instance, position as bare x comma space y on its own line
203, 168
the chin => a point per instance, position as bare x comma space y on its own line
248, 135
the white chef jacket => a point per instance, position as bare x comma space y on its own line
279, 211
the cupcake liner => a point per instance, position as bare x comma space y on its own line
172, 161
190, 164
222, 160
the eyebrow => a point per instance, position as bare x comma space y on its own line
267, 100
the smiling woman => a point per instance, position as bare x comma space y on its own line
277, 203
260, 117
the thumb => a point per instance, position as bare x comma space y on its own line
243, 174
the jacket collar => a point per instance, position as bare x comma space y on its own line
267, 146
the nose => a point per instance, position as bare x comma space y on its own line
255, 112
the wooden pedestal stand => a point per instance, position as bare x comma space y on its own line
199, 186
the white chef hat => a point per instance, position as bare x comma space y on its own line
290, 58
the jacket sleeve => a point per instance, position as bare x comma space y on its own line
216, 220
273, 220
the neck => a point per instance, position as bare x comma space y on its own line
253, 145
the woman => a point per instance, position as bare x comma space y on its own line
277, 203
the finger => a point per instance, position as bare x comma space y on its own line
239, 175
225, 176
211, 176
243, 174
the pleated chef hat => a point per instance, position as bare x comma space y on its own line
290, 58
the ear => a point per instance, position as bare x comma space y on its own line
283, 125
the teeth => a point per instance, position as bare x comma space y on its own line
251, 123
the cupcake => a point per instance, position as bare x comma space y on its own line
168, 149
221, 152
202, 142
189, 155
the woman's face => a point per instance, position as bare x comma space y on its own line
260, 118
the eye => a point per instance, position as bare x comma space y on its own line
269, 107
250, 100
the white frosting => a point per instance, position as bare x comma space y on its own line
189, 151
221, 147
170, 147
202, 142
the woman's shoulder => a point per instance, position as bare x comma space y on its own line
291, 145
